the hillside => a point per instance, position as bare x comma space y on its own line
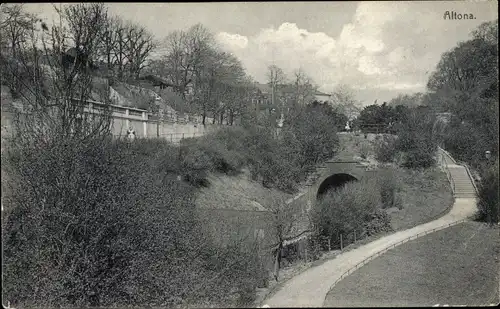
236, 193
455, 266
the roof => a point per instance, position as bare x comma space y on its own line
264, 88
322, 93
156, 80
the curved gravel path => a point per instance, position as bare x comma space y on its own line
309, 288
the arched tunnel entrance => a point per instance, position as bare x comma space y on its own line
334, 182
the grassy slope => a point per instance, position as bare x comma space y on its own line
235, 192
426, 195
455, 266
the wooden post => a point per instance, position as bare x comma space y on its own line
182, 135
329, 244
305, 252
354, 236
341, 245
127, 113
145, 124
170, 137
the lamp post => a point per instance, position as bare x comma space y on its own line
487, 154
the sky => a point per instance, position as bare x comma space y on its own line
379, 49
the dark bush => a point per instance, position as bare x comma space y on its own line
387, 184
350, 210
419, 158
103, 223
488, 195
195, 163
379, 222
385, 149
415, 140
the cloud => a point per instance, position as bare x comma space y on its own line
232, 41
386, 46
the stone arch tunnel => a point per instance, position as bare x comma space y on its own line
334, 174
334, 182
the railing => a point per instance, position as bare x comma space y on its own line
377, 254
465, 165
471, 178
448, 173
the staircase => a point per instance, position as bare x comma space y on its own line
463, 186
458, 175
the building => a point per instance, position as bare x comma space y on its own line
322, 97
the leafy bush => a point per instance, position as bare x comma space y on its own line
379, 222
110, 224
388, 187
419, 158
385, 149
365, 150
488, 195
348, 210
415, 140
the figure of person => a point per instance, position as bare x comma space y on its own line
347, 126
131, 134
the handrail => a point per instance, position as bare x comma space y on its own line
471, 178
377, 254
448, 173
447, 154
465, 165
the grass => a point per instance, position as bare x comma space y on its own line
426, 195
455, 266
235, 192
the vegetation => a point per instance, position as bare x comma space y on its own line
354, 209
465, 83
461, 258
385, 149
489, 207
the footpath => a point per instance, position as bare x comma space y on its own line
309, 288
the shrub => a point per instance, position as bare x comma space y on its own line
347, 210
488, 195
415, 140
379, 222
385, 149
195, 163
419, 158
109, 224
365, 150
388, 186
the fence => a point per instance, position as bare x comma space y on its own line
377, 254
465, 165
448, 173
413, 237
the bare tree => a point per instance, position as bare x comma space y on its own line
85, 26
304, 87
16, 26
284, 218
139, 48
53, 95
344, 100
108, 43
119, 49
15, 29
276, 79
